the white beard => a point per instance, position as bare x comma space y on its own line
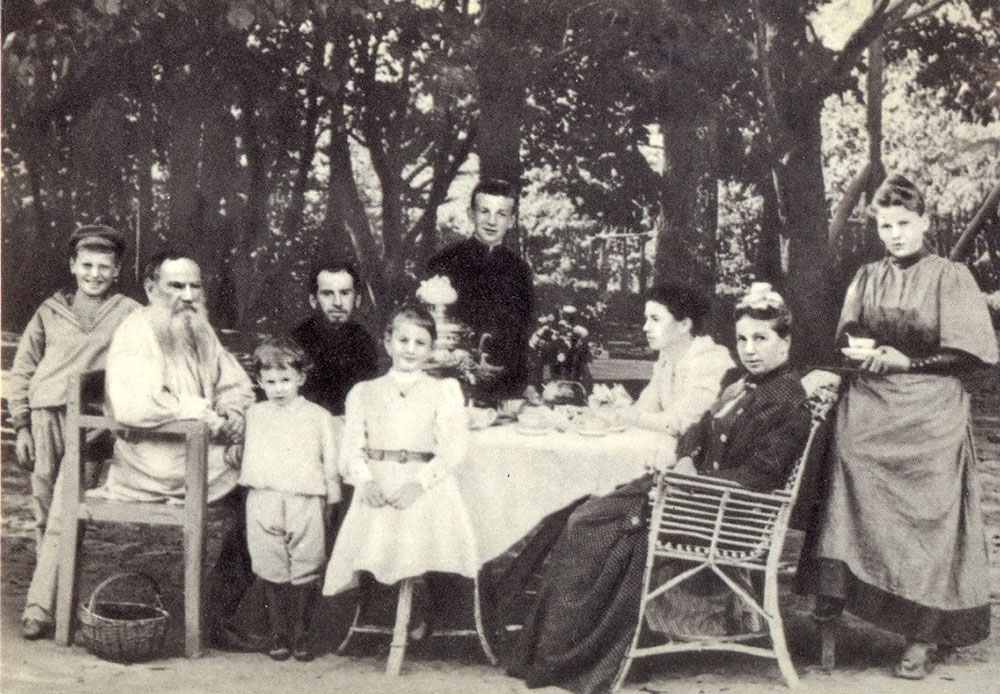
182, 334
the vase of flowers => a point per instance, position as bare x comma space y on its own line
560, 351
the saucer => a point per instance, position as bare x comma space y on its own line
859, 353
532, 431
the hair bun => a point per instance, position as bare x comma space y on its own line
761, 296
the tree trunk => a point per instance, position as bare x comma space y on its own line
501, 93
767, 262
346, 215
809, 286
685, 245
872, 247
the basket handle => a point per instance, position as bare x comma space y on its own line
117, 577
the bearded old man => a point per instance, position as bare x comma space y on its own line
165, 363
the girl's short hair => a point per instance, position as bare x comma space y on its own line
415, 313
897, 191
763, 303
683, 301
281, 353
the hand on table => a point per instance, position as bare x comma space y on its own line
886, 360
24, 447
371, 494
406, 495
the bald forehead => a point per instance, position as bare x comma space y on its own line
179, 270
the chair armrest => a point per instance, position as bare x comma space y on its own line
704, 483
180, 428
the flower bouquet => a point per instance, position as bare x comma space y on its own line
559, 350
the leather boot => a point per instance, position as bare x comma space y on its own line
303, 601
275, 594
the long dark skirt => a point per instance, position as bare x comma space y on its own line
585, 615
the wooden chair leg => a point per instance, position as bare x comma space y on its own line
397, 649
777, 629
195, 500
66, 505
828, 640
67, 579
350, 632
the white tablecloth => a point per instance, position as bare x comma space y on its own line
511, 481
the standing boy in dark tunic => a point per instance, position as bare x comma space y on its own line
342, 352
495, 289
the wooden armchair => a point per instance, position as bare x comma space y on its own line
83, 413
713, 525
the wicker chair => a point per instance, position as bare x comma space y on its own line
713, 525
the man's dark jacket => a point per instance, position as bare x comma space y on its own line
342, 354
495, 296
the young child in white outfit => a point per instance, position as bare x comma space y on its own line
404, 435
290, 466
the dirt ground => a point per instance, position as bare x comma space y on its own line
865, 654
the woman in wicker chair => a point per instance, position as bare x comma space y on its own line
579, 627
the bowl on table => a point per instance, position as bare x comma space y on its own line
481, 417
511, 407
534, 420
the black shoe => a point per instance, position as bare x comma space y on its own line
303, 653
279, 651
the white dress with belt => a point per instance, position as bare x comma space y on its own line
416, 413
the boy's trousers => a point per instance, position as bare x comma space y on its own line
285, 535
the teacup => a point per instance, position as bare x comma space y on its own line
511, 407
860, 342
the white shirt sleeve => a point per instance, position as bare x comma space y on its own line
451, 435
352, 459
135, 383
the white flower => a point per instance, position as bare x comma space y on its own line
437, 291
761, 296
581, 332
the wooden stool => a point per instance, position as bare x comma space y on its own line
828, 641
400, 630
84, 392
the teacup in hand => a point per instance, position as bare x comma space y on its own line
860, 342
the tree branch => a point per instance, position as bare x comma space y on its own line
883, 18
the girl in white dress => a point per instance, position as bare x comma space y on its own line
404, 434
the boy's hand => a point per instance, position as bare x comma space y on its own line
371, 494
24, 447
406, 495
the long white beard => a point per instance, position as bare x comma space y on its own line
182, 334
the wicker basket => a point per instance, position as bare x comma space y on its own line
125, 632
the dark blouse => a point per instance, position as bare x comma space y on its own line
754, 433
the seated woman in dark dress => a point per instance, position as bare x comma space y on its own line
580, 625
